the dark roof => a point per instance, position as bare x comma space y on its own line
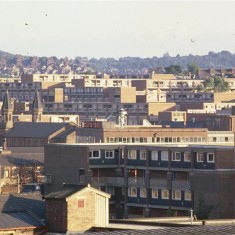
31, 202
65, 133
34, 129
226, 229
62, 194
172, 124
8, 160
23, 219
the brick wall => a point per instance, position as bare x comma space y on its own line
56, 215
81, 212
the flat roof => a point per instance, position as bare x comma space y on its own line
189, 145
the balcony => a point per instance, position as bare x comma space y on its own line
136, 181
180, 184
161, 183
112, 181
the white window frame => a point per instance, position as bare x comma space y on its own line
199, 155
107, 152
132, 192
208, 156
92, 154
154, 155
176, 194
143, 192
187, 196
165, 156
176, 156
143, 154
186, 155
132, 154
165, 194
154, 193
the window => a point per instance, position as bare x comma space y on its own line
132, 154
187, 196
94, 154
143, 192
176, 194
143, 154
109, 190
132, 192
6, 173
109, 154
154, 155
48, 179
154, 193
210, 157
165, 194
164, 156
200, 157
187, 157
175, 156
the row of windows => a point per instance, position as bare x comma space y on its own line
160, 194
164, 155
155, 139
175, 156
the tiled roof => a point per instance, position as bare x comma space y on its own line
23, 219
8, 160
63, 193
34, 129
228, 229
31, 202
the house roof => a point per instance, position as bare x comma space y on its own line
66, 193
30, 202
23, 219
34, 129
62, 194
9, 160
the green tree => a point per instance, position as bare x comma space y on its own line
200, 88
173, 69
203, 211
216, 84
209, 84
193, 68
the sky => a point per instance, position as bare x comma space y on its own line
114, 29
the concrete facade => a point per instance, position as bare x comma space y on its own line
146, 179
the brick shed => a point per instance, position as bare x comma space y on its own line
73, 210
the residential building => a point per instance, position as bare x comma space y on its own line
148, 180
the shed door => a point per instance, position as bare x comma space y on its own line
102, 211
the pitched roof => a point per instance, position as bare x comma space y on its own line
23, 219
34, 129
9, 160
31, 202
63, 194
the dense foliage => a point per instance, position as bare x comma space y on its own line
14, 65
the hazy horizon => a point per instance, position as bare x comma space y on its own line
115, 29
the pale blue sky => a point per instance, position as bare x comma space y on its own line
116, 28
